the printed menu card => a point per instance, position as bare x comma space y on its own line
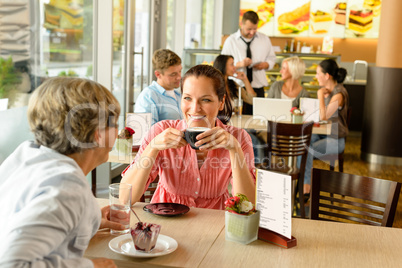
140, 123
274, 201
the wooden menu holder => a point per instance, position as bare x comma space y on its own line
276, 239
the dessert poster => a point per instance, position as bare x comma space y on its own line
265, 10
327, 18
363, 18
292, 17
316, 18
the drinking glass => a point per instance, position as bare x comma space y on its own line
120, 202
238, 107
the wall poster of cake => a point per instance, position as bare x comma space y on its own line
316, 18
265, 10
327, 18
292, 17
363, 18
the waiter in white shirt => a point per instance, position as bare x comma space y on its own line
252, 52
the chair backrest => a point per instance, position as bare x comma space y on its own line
289, 140
149, 193
342, 197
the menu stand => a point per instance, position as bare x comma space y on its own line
276, 239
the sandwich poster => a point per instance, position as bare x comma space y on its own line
363, 18
316, 18
292, 17
327, 18
265, 10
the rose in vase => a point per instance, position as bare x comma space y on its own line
124, 142
239, 204
241, 220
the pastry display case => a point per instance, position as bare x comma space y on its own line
193, 57
311, 60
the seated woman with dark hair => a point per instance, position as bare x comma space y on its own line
334, 104
48, 212
225, 64
196, 178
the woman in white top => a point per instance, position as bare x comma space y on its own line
48, 211
289, 87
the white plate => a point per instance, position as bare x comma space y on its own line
124, 245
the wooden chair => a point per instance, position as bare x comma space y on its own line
287, 140
147, 196
332, 158
366, 200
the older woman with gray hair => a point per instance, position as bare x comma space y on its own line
48, 211
289, 87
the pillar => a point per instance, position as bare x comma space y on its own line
382, 131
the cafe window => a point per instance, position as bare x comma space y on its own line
66, 37
202, 24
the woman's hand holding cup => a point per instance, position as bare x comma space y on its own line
216, 138
169, 138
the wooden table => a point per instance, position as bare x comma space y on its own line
201, 238
247, 122
195, 232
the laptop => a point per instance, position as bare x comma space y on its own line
272, 109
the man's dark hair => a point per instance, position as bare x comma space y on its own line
251, 16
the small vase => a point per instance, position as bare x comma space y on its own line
241, 228
297, 119
124, 146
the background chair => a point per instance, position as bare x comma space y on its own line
332, 158
366, 200
147, 196
287, 140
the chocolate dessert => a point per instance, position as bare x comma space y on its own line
340, 13
145, 236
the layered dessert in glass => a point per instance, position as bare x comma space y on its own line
145, 236
340, 13
374, 5
360, 21
320, 21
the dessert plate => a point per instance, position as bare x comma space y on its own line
166, 209
124, 245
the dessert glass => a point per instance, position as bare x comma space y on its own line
145, 236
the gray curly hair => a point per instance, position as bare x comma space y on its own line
64, 113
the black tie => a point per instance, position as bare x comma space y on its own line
248, 54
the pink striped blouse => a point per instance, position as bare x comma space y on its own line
180, 179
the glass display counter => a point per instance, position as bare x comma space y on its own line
311, 60
192, 57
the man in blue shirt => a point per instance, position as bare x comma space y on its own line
162, 98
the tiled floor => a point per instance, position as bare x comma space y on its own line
354, 165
